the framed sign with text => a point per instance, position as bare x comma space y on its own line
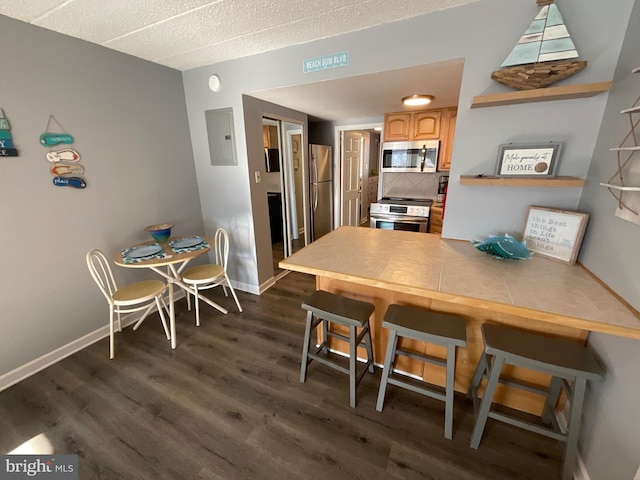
554, 233
528, 159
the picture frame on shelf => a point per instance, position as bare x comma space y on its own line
555, 233
528, 159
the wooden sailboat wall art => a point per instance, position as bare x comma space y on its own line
545, 54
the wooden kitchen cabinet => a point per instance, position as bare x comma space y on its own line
449, 117
426, 125
411, 126
397, 127
435, 218
372, 190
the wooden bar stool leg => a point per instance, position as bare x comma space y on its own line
448, 406
367, 339
388, 366
353, 362
305, 348
485, 405
577, 398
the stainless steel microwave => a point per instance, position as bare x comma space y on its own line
421, 156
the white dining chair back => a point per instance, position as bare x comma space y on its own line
221, 247
203, 277
143, 295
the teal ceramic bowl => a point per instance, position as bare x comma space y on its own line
160, 232
503, 247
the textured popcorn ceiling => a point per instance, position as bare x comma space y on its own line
184, 34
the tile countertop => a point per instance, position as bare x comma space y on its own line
456, 272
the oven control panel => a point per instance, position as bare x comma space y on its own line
390, 209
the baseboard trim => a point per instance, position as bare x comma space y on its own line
581, 470
266, 285
245, 287
31, 368
17, 375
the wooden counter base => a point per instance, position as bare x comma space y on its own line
424, 270
467, 357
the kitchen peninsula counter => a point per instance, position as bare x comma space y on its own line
423, 270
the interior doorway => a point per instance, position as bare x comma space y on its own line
359, 159
284, 174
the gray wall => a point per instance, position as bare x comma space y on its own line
610, 250
254, 110
482, 33
128, 117
465, 32
129, 121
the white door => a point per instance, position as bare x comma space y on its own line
351, 153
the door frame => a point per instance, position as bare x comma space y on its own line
285, 184
289, 151
337, 165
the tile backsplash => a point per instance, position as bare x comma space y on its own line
411, 185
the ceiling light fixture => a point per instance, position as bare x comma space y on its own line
418, 99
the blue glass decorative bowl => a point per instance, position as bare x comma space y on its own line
160, 232
503, 247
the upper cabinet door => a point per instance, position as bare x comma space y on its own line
397, 127
426, 125
448, 131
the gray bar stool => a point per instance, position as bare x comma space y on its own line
328, 307
569, 364
431, 327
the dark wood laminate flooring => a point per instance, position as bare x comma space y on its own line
278, 252
228, 404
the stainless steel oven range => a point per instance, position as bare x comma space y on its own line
410, 214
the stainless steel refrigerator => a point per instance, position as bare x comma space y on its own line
320, 190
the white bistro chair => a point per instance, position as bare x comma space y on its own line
134, 297
203, 277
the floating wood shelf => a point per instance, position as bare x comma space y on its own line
521, 181
564, 92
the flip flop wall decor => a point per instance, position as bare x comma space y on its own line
62, 169
64, 173
49, 139
66, 155
75, 182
